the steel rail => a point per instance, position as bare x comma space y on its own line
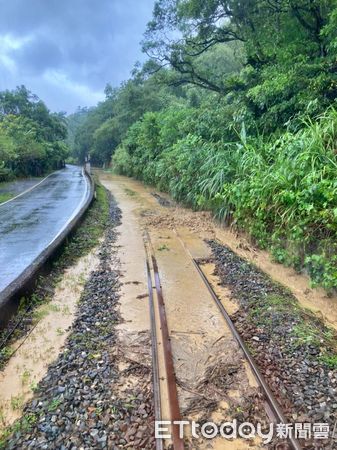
154, 350
271, 400
273, 408
178, 443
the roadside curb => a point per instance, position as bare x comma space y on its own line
24, 283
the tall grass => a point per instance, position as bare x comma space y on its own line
282, 191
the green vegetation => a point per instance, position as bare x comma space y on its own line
234, 112
330, 360
54, 404
129, 192
22, 425
32, 139
74, 121
5, 196
17, 402
163, 247
25, 377
5, 353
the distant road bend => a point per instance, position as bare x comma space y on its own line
31, 221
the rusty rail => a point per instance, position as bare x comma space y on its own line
273, 405
172, 391
154, 348
273, 408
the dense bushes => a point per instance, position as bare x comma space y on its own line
282, 191
234, 113
31, 138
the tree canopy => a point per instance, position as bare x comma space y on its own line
235, 112
31, 137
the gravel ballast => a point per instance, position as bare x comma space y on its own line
293, 348
79, 403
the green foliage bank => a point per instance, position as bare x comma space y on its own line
235, 112
283, 191
31, 138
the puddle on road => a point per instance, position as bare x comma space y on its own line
42, 346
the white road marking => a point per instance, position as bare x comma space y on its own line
27, 190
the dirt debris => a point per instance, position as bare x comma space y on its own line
291, 346
178, 217
163, 201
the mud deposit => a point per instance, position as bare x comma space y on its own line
84, 401
99, 394
291, 346
213, 381
40, 345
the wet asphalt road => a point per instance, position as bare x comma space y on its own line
16, 187
33, 220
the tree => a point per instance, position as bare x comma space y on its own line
29, 152
105, 140
180, 32
32, 136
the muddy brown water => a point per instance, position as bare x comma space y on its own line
314, 299
201, 223
199, 336
201, 341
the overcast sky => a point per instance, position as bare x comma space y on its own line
66, 51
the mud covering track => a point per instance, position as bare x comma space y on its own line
35, 220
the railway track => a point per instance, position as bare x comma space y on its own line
161, 343
164, 378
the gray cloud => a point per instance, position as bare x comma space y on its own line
66, 51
